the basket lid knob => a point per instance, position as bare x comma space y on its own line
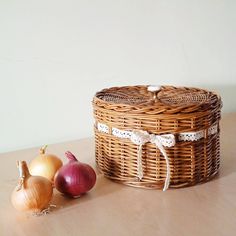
154, 89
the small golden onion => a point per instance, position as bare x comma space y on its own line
45, 165
33, 193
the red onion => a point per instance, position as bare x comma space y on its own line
74, 178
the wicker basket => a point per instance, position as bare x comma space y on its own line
157, 137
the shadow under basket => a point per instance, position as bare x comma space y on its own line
157, 137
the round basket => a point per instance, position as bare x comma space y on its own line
157, 137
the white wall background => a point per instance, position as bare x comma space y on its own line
55, 54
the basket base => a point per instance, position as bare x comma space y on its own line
158, 185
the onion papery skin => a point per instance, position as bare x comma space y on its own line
45, 165
75, 178
34, 195
31, 198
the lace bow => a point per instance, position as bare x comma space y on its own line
140, 138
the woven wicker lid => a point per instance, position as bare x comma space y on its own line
169, 98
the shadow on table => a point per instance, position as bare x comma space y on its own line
102, 188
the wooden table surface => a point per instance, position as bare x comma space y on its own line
113, 209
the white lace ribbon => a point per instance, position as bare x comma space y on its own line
140, 137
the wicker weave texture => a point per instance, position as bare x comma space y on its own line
176, 110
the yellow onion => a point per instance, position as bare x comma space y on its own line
33, 193
45, 165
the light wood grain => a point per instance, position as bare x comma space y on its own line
114, 209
